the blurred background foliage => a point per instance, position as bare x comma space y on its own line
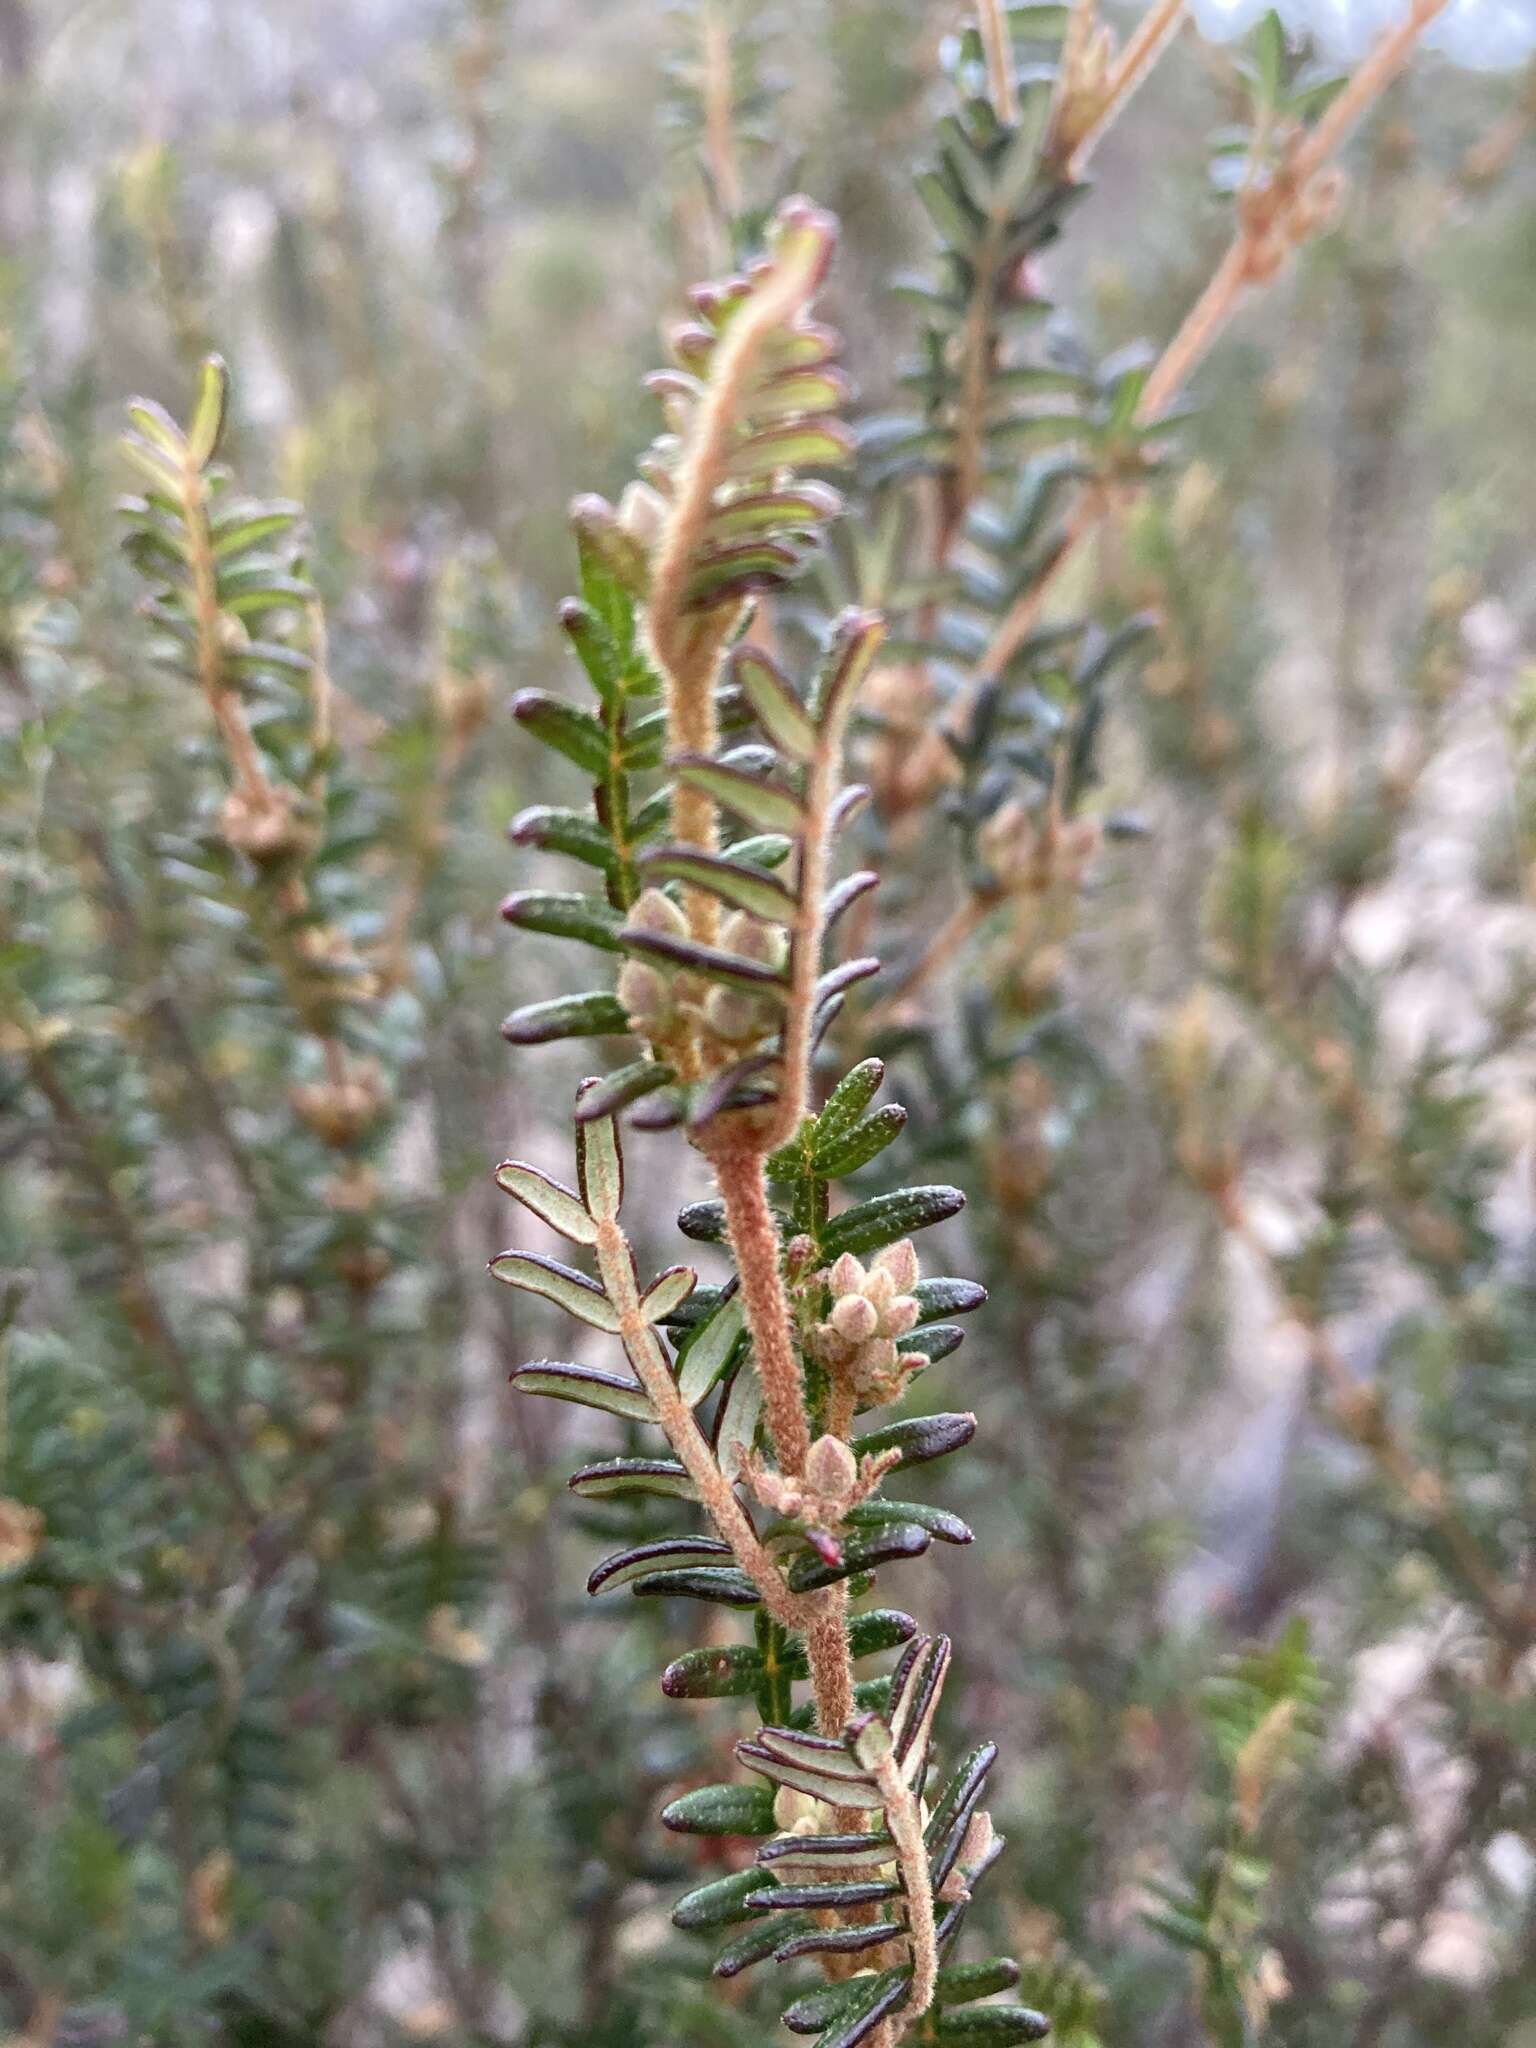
306, 1731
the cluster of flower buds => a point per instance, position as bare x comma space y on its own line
660, 1001
339, 1110
833, 1481
871, 1308
267, 823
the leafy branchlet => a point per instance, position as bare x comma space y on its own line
756, 1387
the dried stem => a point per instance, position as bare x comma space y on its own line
1250, 259
1146, 44
719, 140
992, 18
1358, 1411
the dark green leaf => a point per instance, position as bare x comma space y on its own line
598, 1015
863, 1551
566, 916
663, 1476
576, 734
871, 1225
918, 1437
721, 1809
729, 1672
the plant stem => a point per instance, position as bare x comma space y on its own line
617, 1268
754, 1237
1145, 45
992, 18
1206, 319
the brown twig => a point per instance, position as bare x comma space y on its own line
1276, 216
1143, 47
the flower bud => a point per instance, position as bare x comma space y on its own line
830, 1468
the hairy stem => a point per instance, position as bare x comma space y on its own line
904, 1819
754, 1238
682, 1431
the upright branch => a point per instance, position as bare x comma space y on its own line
760, 413
722, 931
1276, 213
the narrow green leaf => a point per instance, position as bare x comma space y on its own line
586, 1386
947, 1297
574, 733
727, 876
728, 1672
559, 829
666, 1551
721, 1904
667, 1292
990, 2026
767, 805
863, 1550
722, 1585
867, 1140
877, 1513
708, 961
800, 509
564, 915
209, 411
568, 1289
596, 1015
758, 1943
737, 1428
720, 1809
663, 1477
159, 429
856, 640
881, 1221
919, 1438
711, 1351
599, 1160
736, 571
778, 710
243, 527
824, 444
959, 1983
616, 1091
550, 1201
848, 1101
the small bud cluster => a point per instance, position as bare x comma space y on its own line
871, 1308
832, 1482
661, 1001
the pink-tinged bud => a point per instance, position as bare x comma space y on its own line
831, 1468
846, 1276
646, 997
642, 514
736, 1016
654, 911
900, 1261
855, 1319
900, 1316
880, 1287
751, 939
825, 1545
